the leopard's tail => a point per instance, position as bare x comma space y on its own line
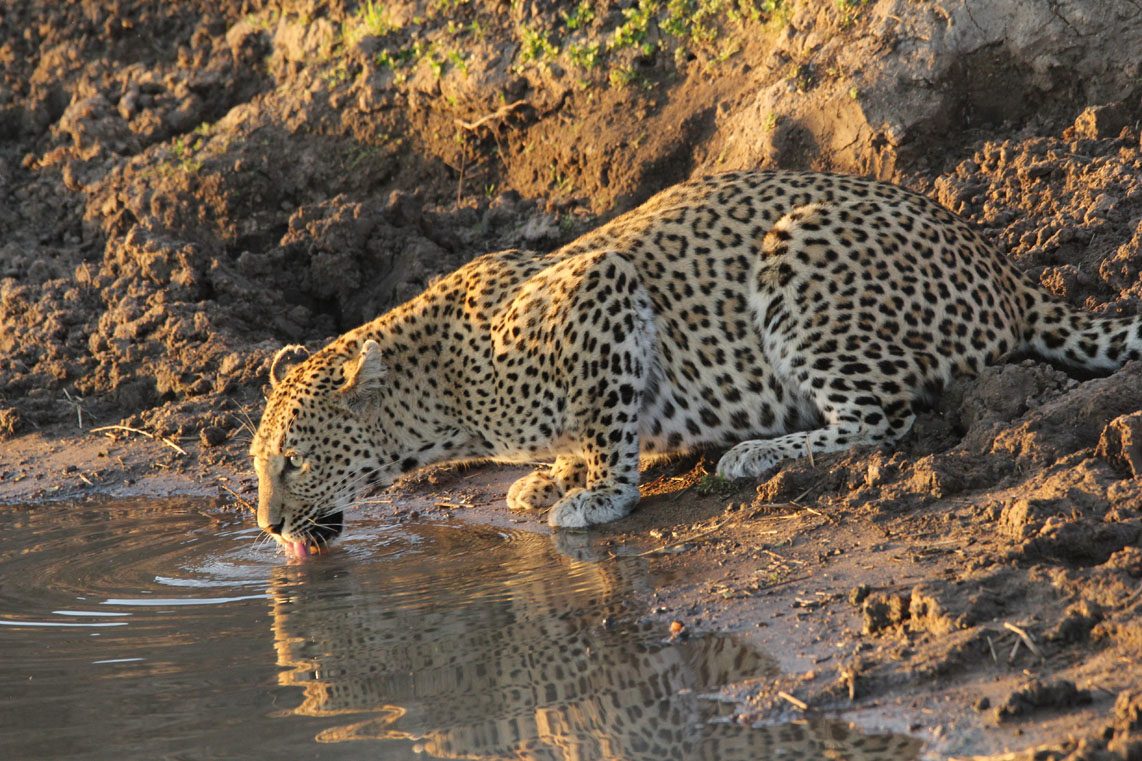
1078, 339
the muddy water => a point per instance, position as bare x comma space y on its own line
143, 630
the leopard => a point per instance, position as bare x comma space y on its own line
778, 314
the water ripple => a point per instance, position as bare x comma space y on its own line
446, 641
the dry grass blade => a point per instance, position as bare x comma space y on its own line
77, 403
245, 422
238, 497
161, 439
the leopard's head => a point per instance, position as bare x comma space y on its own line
321, 443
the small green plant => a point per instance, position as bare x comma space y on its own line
623, 76
712, 483
373, 19
770, 121
702, 24
800, 75
678, 15
854, 92
849, 11
267, 22
560, 180
182, 151
536, 45
636, 28
356, 155
583, 15
585, 56
458, 60
730, 48
337, 74
393, 59
781, 14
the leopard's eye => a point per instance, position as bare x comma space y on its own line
295, 461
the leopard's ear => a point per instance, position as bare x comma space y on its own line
363, 375
282, 353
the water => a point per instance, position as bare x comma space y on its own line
145, 631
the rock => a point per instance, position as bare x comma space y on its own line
882, 611
1037, 695
211, 436
1101, 121
1120, 444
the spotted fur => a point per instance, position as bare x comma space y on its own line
780, 313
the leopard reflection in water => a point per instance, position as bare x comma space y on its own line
513, 652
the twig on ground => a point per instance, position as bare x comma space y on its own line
148, 434
499, 113
678, 494
783, 559
1025, 637
796, 499
795, 701
699, 535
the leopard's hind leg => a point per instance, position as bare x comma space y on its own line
858, 407
865, 307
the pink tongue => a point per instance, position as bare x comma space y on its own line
297, 549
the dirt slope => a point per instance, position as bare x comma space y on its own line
189, 186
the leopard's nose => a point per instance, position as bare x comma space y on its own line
276, 528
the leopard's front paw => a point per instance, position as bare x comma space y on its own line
587, 507
535, 491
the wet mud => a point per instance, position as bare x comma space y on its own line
189, 187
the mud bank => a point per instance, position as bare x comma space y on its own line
189, 187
